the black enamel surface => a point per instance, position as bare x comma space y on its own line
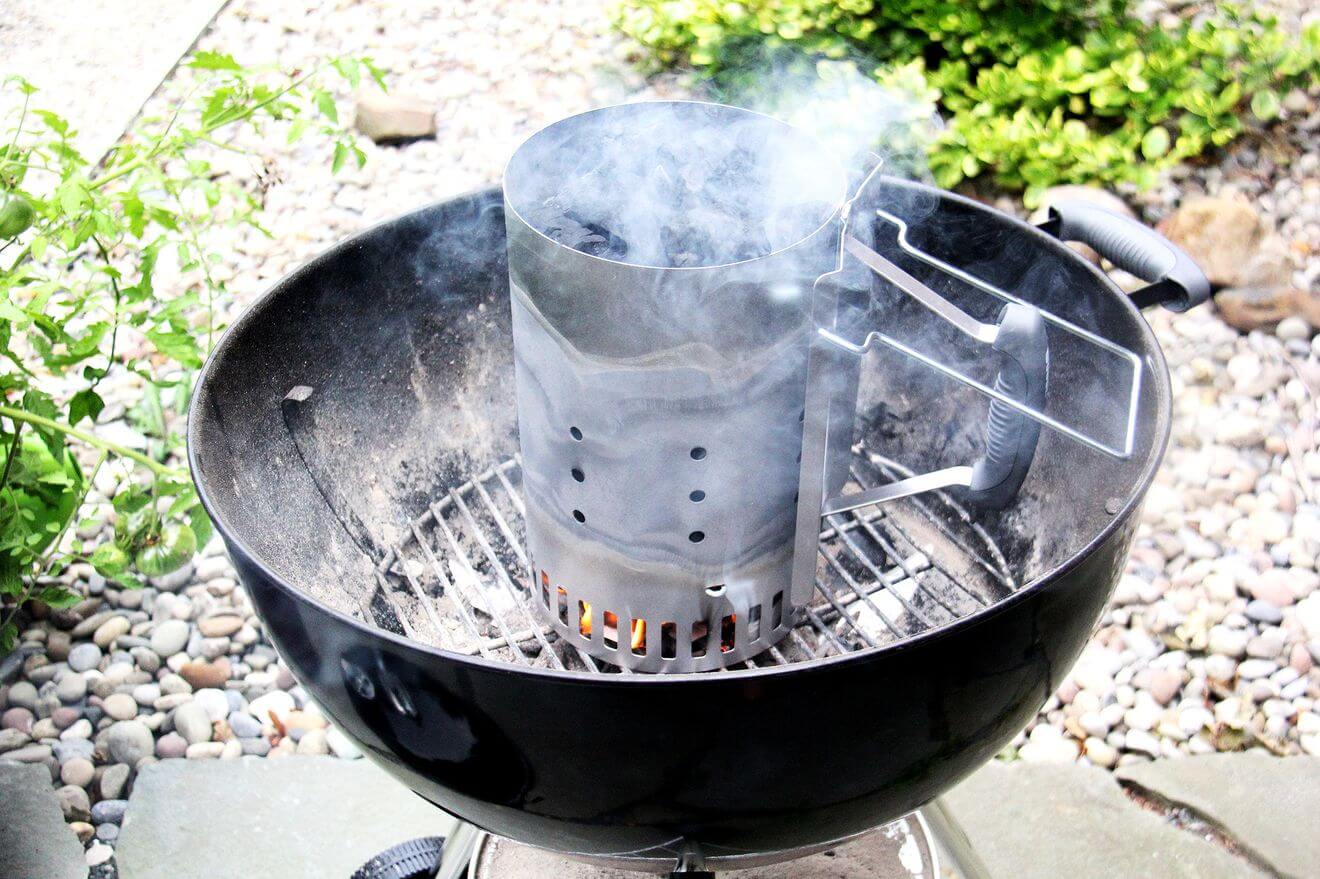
399, 333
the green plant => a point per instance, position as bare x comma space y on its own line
1035, 94
81, 248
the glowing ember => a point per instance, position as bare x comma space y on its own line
611, 626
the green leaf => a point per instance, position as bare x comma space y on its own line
201, 525
59, 597
341, 154
168, 552
1266, 105
205, 60
85, 404
109, 560
325, 102
1155, 143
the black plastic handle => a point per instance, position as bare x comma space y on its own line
1175, 281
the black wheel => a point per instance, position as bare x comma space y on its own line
414, 859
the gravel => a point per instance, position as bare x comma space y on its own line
1210, 643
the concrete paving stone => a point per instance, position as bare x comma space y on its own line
1270, 806
1051, 820
97, 61
35, 843
307, 817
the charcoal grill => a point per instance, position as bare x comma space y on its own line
354, 438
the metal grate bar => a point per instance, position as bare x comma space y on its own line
476, 529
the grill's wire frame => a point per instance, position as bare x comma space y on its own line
457, 561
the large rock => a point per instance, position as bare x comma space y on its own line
1222, 235
307, 817
1270, 806
1027, 820
393, 117
1259, 308
35, 843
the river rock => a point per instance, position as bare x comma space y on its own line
1222, 235
129, 741
192, 722
201, 674
169, 638
84, 657
394, 117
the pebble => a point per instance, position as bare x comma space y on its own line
201, 674
114, 781
77, 771
20, 719
220, 625
79, 729
169, 638
244, 725
171, 745
193, 723
214, 702
205, 750
23, 695
314, 742
108, 631
129, 741
276, 702
72, 687
121, 706
107, 832
74, 803
98, 853
84, 657
83, 831
35, 753
109, 811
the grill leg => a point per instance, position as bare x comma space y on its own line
953, 841
459, 845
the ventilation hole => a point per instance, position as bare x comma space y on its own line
795, 497
799, 457
727, 630
575, 433
697, 453
777, 610
700, 634
577, 514
754, 622
802, 416
563, 605
715, 591
578, 474
668, 640
697, 496
638, 637
611, 631
584, 619
697, 536
545, 589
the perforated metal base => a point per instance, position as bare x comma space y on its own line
460, 578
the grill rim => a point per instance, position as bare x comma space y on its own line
1161, 427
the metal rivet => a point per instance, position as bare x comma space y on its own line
1113, 505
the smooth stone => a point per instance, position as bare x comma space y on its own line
201, 674
244, 725
243, 799
314, 743
72, 749
35, 841
84, 657
277, 702
22, 695
35, 753
84, 831
255, 747
20, 719
205, 750
107, 832
220, 625
98, 854
146, 659
1036, 820
80, 729
114, 780
129, 741
146, 694
58, 645
169, 638
11, 739
214, 702
1260, 802
78, 771
172, 684
342, 746
108, 631
65, 716
193, 723
74, 802
171, 746
87, 627
71, 688
121, 706
109, 811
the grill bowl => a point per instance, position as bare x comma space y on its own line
396, 347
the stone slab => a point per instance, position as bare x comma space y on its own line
292, 818
35, 843
97, 61
1049, 820
1270, 806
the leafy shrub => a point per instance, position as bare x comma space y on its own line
1035, 94
80, 245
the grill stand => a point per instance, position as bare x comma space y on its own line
915, 847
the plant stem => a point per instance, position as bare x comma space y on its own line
91, 439
12, 453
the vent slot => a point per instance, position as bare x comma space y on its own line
610, 632
700, 635
728, 636
668, 640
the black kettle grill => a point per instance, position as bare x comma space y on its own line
354, 438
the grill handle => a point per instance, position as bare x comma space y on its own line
1174, 280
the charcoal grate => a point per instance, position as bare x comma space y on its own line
459, 579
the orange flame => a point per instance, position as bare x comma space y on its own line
585, 618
